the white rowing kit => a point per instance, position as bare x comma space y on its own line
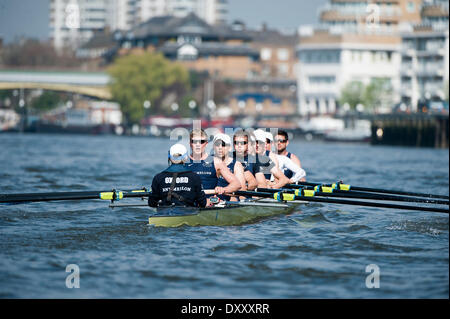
285, 162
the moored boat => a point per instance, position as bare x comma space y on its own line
228, 214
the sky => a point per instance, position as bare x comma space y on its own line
29, 18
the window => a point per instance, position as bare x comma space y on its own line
187, 52
410, 7
283, 69
283, 54
266, 54
322, 79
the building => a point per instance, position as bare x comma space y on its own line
259, 65
424, 69
425, 57
435, 13
271, 90
218, 50
329, 61
278, 58
365, 40
380, 16
74, 22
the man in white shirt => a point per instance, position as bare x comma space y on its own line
284, 163
281, 143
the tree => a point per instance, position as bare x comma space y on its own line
353, 94
34, 53
378, 93
46, 101
149, 76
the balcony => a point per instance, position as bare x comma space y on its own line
431, 69
406, 66
433, 88
406, 88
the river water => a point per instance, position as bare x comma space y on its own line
319, 251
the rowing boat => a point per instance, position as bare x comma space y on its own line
226, 214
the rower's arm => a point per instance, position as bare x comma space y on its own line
299, 172
274, 159
155, 195
239, 173
260, 180
281, 178
251, 180
200, 197
233, 182
295, 159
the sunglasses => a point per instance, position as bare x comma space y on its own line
198, 141
220, 143
280, 141
260, 142
240, 143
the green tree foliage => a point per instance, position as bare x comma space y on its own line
376, 94
46, 101
149, 76
352, 93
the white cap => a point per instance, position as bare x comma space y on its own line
260, 135
269, 136
222, 137
178, 149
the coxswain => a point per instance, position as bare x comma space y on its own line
177, 185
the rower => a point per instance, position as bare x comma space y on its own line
177, 185
267, 163
222, 146
281, 143
283, 163
242, 142
207, 167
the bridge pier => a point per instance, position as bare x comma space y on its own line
419, 130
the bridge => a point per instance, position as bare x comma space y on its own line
94, 84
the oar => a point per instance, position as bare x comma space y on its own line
332, 192
347, 187
292, 197
44, 197
113, 195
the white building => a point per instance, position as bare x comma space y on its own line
327, 62
382, 16
367, 40
424, 70
425, 51
73, 22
